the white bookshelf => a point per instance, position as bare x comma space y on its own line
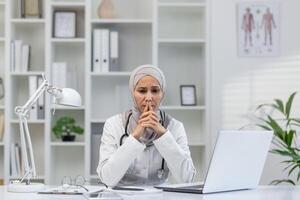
172, 34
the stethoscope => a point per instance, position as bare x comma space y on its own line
161, 171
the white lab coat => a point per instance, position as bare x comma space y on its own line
135, 164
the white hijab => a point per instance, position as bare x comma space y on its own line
136, 75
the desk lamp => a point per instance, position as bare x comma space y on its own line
62, 96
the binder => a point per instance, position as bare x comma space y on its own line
96, 50
32, 88
114, 51
105, 50
41, 101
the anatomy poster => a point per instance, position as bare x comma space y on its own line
258, 28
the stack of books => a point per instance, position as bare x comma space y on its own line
20, 56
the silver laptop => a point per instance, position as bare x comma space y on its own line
237, 163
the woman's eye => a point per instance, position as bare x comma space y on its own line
142, 91
155, 91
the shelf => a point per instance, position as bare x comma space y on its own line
110, 74
27, 21
192, 5
68, 4
1, 144
196, 108
56, 107
37, 73
68, 144
68, 40
2, 107
2, 39
98, 120
2, 3
38, 121
121, 21
184, 40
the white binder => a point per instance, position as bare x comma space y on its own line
41, 101
32, 88
114, 51
105, 50
97, 50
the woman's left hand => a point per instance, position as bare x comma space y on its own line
149, 119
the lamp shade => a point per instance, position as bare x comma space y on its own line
69, 97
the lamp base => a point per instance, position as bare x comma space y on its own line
24, 188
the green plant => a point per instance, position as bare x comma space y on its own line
65, 126
284, 129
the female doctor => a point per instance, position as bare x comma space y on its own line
144, 145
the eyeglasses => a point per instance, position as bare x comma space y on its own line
69, 183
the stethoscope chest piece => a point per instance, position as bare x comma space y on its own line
160, 173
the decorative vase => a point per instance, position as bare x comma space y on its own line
106, 9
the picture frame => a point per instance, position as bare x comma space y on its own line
31, 8
64, 24
188, 95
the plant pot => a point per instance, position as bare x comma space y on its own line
68, 138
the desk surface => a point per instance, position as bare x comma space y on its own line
261, 193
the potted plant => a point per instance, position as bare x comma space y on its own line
284, 127
64, 127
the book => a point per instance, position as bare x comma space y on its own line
18, 55
12, 56
25, 57
59, 74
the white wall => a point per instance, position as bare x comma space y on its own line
239, 84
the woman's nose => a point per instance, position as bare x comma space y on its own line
148, 96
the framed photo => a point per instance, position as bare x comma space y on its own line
31, 8
258, 25
188, 95
64, 24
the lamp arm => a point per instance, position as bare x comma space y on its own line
22, 111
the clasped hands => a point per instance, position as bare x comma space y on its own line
148, 119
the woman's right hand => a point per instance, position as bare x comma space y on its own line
139, 129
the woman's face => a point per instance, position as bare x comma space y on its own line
147, 90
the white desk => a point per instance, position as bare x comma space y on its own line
261, 193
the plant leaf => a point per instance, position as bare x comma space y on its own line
276, 182
279, 105
289, 104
